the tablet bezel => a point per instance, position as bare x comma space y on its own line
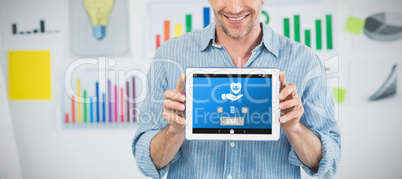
189, 135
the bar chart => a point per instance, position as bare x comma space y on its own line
307, 32
181, 18
95, 103
41, 29
178, 27
312, 24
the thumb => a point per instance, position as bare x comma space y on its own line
180, 84
282, 80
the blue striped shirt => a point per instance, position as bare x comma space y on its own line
239, 159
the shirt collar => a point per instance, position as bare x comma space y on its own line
208, 36
269, 38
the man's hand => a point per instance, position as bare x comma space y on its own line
173, 107
291, 106
166, 143
306, 144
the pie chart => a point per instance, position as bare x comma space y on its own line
384, 26
389, 88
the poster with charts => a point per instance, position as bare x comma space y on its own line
100, 96
378, 82
312, 23
389, 17
24, 22
168, 19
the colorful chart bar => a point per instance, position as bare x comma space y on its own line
121, 105
103, 107
318, 34
128, 102
167, 30
91, 111
78, 100
286, 27
115, 104
97, 102
297, 27
72, 109
188, 23
85, 106
329, 31
307, 38
110, 99
206, 16
177, 30
158, 41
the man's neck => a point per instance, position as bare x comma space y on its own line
239, 49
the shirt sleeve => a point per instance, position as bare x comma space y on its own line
151, 122
319, 116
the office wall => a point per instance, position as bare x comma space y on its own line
45, 150
370, 142
370, 130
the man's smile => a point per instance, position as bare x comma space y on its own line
234, 18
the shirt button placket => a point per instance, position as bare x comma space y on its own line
231, 144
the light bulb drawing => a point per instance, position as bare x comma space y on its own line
99, 11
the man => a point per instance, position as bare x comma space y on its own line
309, 138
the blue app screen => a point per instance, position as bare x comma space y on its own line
238, 104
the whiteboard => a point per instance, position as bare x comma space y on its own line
9, 163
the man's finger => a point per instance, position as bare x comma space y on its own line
290, 103
282, 80
180, 84
295, 114
169, 104
173, 119
288, 90
173, 95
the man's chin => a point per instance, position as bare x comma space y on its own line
235, 32
236, 35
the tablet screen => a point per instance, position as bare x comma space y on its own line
232, 104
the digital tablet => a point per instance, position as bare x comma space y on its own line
232, 104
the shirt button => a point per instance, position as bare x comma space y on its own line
232, 144
229, 176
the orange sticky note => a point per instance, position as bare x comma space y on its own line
29, 75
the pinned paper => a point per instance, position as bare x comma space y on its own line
354, 25
339, 94
29, 75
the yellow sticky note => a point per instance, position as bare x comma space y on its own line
29, 75
354, 25
339, 94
